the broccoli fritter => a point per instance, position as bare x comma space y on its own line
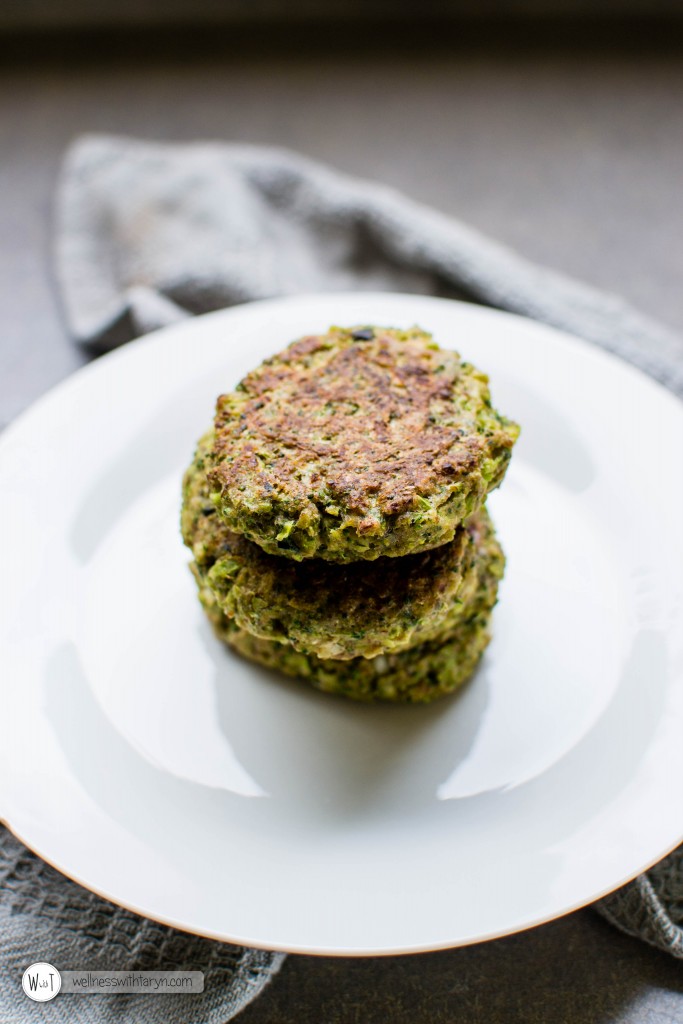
417, 675
357, 444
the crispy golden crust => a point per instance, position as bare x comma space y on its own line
356, 444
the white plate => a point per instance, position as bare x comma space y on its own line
150, 764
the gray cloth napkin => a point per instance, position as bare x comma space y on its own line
44, 916
148, 234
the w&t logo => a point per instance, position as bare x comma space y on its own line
41, 982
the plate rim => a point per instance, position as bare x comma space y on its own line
353, 952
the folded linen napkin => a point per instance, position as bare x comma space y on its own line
150, 233
46, 917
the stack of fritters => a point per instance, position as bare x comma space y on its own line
326, 464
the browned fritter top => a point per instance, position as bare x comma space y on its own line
359, 420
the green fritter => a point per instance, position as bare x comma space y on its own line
359, 609
418, 675
357, 444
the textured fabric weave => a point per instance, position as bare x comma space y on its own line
44, 916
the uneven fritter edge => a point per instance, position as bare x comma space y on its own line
418, 675
360, 609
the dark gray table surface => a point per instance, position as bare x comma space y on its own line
574, 158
